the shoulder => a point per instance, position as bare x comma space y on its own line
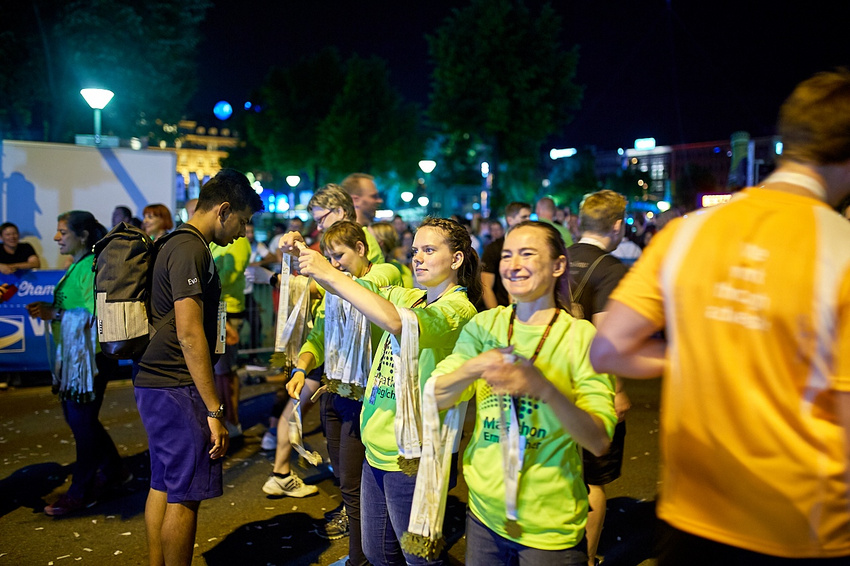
383, 274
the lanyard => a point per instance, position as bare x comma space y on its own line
512, 443
545, 332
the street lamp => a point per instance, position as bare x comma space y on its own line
97, 98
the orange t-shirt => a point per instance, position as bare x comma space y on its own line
755, 298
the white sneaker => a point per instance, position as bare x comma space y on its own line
269, 441
292, 486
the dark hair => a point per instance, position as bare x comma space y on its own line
814, 121
344, 232
457, 236
333, 196
160, 211
557, 248
80, 221
125, 211
9, 225
229, 185
515, 207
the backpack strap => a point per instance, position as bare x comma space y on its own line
184, 228
576, 295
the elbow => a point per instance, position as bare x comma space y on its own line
600, 446
601, 354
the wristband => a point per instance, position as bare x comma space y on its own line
296, 370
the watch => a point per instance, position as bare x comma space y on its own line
216, 414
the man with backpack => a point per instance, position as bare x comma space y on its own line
594, 274
175, 393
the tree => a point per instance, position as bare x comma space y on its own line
294, 103
326, 119
144, 52
370, 127
502, 74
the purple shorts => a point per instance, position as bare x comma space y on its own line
175, 419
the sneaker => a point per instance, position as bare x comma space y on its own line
291, 485
68, 504
269, 441
336, 529
334, 513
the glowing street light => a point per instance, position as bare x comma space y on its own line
97, 99
423, 201
427, 165
407, 196
293, 180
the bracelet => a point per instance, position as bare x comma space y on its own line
296, 370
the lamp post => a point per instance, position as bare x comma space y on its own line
427, 166
97, 98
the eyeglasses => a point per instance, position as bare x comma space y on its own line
321, 219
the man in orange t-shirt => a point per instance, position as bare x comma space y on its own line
755, 409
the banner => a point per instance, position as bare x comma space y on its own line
23, 340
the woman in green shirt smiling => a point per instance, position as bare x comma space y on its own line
447, 266
538, 398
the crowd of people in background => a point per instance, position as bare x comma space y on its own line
411, 323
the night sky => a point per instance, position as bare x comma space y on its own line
679, 71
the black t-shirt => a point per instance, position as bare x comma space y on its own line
490, 263
603, 280
184, 268
22, 253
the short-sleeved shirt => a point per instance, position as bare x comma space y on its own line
755, 298
440, 324
552, 498
602, 281
490, 260
230, 262
75, 291
184, 268
565, 234
22, 253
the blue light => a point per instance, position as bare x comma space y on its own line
222, 110
248, 105
271, 207
271, 198
716, 150
630, 220
778, 148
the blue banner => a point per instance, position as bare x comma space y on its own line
23, 340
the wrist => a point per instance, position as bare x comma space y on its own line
218, 413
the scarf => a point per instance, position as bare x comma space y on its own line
424, 535
74, 365
408, 418
348, 348
295, 436
293, 317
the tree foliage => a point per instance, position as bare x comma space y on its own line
144, 52
324, 118
370, 127
501, 73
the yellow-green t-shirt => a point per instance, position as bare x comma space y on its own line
231, 261
552, 497
440, 324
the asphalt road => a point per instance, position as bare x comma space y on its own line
244, 526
